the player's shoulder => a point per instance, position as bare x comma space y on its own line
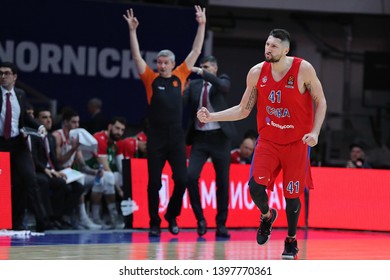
306, 68
254, 73
99, 133
256, 69
57, 133
305, 65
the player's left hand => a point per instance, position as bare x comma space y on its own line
310, 139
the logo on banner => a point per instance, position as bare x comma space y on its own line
164, 193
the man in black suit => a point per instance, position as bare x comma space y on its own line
212, 140
60, 199
12, 139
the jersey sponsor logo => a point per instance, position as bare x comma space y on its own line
290, 82
284, 126
175, 84
261, 177
278, 112
161, 88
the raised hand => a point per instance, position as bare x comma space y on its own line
132, 21
200, 14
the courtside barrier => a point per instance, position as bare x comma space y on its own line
353, 199
342, 198
242, 211
5, 191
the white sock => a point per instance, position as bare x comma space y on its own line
96, 211
82, 211
112, 210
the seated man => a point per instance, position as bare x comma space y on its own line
69, 155
60, 199
109, 157
244, 153
357, 157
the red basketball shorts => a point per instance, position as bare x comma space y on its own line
294, 161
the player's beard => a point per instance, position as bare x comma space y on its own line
115, 137
272, 59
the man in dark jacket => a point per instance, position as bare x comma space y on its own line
60, 199
13, 118
212, 140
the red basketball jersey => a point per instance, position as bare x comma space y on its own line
284, 114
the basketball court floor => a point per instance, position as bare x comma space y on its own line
135, 244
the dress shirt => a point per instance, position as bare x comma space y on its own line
210, 125
15, 112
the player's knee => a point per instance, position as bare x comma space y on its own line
108, 182
258, 193
118, 178
293, 205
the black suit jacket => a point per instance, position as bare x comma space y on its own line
39, 153
24, 119
217, 95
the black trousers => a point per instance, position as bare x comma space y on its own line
59, 197
216, 145
165, 145
24, 184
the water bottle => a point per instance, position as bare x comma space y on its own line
97, 177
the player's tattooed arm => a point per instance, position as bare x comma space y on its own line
309, 87
252, 99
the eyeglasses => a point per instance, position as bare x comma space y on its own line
6, 73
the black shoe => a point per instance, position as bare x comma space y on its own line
154, 231
172, 225
66, 224
202, 227
44, 227
290, 249
264, 231
62, 224
222, 232
19, 227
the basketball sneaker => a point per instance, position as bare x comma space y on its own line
264, 231
290, 249
86, 223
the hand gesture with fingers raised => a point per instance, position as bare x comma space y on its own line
131, 19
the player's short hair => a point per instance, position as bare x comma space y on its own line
119, 119
281, 34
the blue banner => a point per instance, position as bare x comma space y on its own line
72, 51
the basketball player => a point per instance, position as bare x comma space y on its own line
284, 88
